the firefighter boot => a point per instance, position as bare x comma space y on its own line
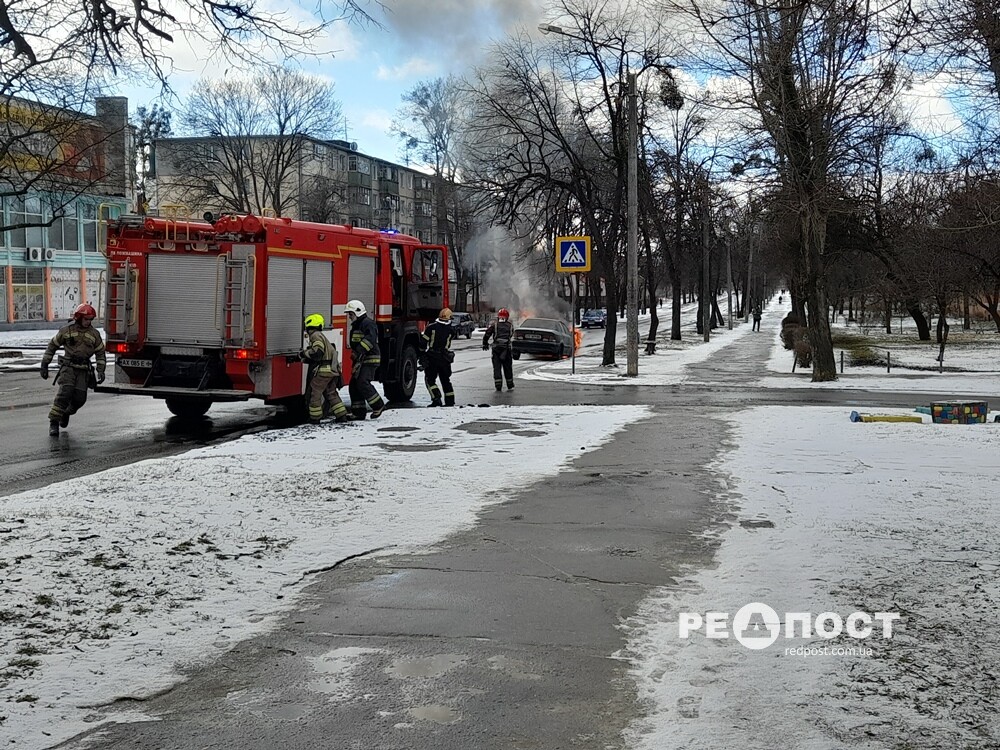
376, 413
449, 399
54, 428
436, 402
64, 422
345, 418
510, 385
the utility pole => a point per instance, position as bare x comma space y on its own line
729, 279
632, 249
706, 306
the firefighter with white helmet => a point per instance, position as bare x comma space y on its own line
502, 333
437, 356
79, 341
324, 372
365, 358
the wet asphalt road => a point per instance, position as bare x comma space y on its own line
504, 637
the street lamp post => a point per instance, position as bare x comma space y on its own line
632, 242
632, 236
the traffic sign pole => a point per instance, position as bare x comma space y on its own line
575, 284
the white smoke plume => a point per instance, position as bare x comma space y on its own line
526, 289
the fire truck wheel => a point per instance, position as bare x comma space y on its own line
402, 389
188, 408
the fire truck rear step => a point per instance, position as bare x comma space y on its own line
164, 391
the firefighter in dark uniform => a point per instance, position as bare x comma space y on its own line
437, 356
366, 358
79, 341
324, 373
502, 332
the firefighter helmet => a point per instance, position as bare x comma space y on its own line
85, 311
355, 306
445, 314
502, 314
314, 321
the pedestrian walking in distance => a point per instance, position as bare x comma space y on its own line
756, 319
437, 356
365, 361
79, 341
325, 379
502, 333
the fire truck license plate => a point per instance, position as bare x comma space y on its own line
144, 363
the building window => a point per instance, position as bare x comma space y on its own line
28, 292
425, 209
357, 164
365, 196
26, 210
407, 181
386, 172
425, 184
88, 215
64, 231
319, 150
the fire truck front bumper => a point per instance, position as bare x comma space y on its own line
163, 391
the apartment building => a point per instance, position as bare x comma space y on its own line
62, 171
327, 181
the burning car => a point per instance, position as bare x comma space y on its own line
543, 336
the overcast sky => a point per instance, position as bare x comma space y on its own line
373, 67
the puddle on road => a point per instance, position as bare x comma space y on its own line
487, 427
430, 666
425, 448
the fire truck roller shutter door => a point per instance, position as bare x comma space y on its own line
319, 289
284, 304
183, 300
361, 281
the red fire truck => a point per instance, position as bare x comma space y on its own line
198, 312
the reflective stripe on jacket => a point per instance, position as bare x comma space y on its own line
364, 341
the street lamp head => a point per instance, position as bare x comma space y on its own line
548, 28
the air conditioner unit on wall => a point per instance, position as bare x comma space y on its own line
50, 253
34, 253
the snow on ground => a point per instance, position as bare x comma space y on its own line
665, 367
976, 354
113, 582
835, 516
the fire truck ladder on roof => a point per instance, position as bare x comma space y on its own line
120, 316
239, 279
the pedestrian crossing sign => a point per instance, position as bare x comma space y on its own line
572, 254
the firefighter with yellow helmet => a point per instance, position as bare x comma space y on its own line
79, 341
324, 373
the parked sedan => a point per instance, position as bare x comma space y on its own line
463, 324
594, 319
542, 336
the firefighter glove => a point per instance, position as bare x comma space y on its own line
45, 372
486, 347
100, 377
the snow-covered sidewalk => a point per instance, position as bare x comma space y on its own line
113, 582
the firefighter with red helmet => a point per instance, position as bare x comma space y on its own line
324, 373
79, 341
365, 358
437, 356
502, 333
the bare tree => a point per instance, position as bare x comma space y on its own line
150, 124
816, 74
547, 131
429, 125
247, 150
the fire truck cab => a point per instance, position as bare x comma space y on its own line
198, 311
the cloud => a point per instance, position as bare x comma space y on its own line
415, 67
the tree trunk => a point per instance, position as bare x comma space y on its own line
608, 354
888, 316
675, 309
923, 327
966, 312
813, 222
